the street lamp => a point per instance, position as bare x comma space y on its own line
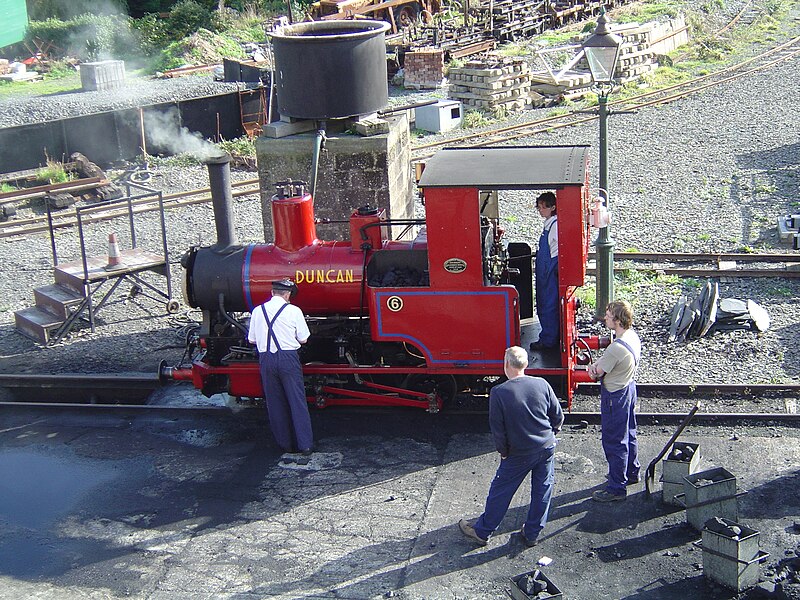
602, 51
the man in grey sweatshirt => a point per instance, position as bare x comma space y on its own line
524, 416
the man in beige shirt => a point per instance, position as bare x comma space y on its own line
616, 370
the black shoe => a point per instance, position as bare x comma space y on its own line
606, 496
530, 543
307, 451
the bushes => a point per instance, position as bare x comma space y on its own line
87, 36
200, 48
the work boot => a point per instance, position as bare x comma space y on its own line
606, 496
530, 543
468, 529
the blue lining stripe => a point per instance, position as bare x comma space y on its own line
420, 345
248, 298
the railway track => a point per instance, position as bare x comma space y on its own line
131, 391
67, 218
763, 61
683, 264
572, 419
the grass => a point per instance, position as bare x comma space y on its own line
782, 291
242, 146
474, 118
5, 188
587, 295
54, 85
629, 283
53, 173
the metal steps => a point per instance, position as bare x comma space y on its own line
58, 303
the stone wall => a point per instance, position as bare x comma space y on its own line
353, 171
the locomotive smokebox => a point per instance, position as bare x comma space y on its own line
219, 178
331, 69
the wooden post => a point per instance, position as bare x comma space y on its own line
144, 143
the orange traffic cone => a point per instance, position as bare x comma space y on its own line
114, 260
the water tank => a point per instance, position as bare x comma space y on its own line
330, 69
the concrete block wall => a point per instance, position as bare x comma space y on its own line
353, 171
424, 69
104, 75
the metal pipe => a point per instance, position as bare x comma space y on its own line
319, 143
604, 243
219, 178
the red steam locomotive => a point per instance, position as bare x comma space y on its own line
398, 322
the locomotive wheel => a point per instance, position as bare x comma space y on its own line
173, 306
406, 15
444, 385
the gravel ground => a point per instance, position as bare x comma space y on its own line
138, 91
707, 173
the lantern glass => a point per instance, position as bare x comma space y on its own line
602, 62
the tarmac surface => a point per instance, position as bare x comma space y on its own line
106, 504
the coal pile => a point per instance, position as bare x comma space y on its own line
400, 277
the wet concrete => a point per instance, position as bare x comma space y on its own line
144, 507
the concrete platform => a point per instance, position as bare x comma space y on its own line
108, 505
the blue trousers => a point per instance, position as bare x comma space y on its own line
289, 420
510, 475
621, 448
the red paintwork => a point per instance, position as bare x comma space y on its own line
328, 274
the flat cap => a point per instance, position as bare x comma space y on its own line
284, 285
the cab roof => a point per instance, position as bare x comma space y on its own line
512, 167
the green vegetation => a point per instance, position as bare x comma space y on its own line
782, 291
629, 283
474, 118
764, 188
587, 295
178, 160
5, 188
242, 146
53, 173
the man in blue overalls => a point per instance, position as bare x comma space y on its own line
547, 303
278, 328
616, 370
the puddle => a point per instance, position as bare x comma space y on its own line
37, 488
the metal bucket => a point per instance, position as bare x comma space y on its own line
732, 561
331, 69
674, 470
709, 494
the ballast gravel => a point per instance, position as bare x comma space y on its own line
709, 173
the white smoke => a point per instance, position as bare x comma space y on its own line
165, 131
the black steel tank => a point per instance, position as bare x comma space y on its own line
331, 69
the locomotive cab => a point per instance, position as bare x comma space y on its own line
481, 296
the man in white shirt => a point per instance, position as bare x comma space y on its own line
278, 328
547, 301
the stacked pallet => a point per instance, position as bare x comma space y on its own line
492, 83
635, 57
641, 46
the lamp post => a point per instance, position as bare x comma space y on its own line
602, 52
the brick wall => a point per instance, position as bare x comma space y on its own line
424, 69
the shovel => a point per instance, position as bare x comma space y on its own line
650, 473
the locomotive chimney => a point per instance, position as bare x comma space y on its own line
219, 177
